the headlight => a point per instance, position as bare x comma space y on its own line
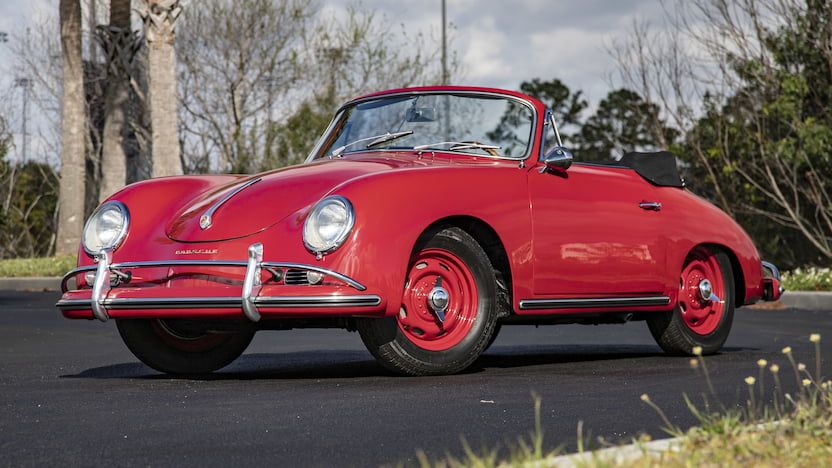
106, 227
328, 224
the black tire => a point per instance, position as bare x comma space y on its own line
175, 348
494, 335
396, 352
675, 337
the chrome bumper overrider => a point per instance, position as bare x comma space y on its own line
771, 282
249, 300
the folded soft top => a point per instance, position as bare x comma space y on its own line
658, 168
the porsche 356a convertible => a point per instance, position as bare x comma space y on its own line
425, 219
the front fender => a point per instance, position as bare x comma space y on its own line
393, 209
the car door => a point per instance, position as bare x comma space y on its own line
596, 232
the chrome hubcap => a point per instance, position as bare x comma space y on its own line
438, 299
705, 290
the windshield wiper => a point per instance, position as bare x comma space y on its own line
376, 140
458, 145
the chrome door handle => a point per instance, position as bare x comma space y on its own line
652, 206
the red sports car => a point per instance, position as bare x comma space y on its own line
425, 219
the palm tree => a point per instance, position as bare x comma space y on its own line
73, 130
117, 40
160, 22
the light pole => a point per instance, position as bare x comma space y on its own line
444, 45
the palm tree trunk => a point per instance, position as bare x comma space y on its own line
117, 40
160, 22
73, 128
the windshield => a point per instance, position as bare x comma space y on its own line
468, 123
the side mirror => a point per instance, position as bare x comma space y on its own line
559, 158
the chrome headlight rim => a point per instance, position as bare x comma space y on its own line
120, 236
349, 224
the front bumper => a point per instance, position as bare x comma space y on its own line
772, 289
105, 300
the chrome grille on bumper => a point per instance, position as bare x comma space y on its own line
295, 277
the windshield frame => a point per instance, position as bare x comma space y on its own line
472, 93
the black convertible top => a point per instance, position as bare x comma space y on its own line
658, 168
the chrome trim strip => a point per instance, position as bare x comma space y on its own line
101, 285
214, 263
207, 218
268, 302
581, 303
302, 266
251, 283
366, 300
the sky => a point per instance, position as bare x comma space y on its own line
500, 43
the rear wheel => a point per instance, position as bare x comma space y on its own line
448, 312
705, 309
182, 347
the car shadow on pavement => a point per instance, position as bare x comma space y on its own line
337, 364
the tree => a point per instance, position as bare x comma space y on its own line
160, 17
566, 105
119, 47
293, 139
257, 75
762, 71
622, 123
238, 61
73, 125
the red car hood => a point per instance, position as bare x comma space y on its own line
276, 195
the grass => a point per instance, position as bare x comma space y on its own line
808, 279
42, 266
773, 429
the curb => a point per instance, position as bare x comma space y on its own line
614, 455
35, 283
807, 299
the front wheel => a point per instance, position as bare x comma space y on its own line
182, 347
705, 308
448, 313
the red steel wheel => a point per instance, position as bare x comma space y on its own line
704, 308
702, 292
439, 305
448, 312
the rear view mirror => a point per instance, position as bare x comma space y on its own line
558, 158
421, 114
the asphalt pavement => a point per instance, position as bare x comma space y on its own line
72, 394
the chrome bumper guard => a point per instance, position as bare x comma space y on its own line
771, 282
249, 300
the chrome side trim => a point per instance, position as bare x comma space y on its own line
101, 285
581, 303
207, 218
224, 302
251, 283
